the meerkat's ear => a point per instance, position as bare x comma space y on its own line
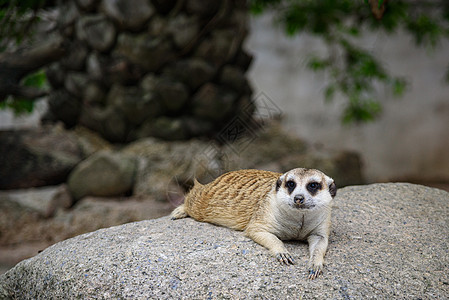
279, 182
332, 187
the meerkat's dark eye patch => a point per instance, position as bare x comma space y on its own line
290, 186
313, 187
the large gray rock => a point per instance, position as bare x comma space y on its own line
105, 173
388, 241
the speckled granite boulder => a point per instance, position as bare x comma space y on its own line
389, 241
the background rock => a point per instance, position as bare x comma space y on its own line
129, 14
37, 157
387, 241
133, 69
97, 31
90, 142
45, 201
166, 167
103, 174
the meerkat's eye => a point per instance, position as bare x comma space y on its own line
290, 185
313, 187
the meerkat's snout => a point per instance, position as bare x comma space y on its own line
299, 199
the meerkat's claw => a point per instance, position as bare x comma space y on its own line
285, 258
315, 271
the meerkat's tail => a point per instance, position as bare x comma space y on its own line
179, 212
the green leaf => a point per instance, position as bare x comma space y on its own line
361, 111
37, 79
19, 106
379, 3
329, 92
399, 85
317, 64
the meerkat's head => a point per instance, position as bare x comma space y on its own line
305, 188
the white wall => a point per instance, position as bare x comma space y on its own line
411, 139
8, 120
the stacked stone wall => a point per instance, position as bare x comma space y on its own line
138, 68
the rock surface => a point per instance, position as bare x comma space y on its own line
388, 241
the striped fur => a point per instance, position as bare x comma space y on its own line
215, 202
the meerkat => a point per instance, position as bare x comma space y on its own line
268, 207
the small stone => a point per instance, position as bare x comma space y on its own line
94, 66
233, 77
87, 5
219, 47
171, 93
164, 6
163, 127
70, 14
184, 30
75, 83
65, 107
102, 174
194, 72
93, 95
109, 122
202, 7
75, 58
134, 103
97, 31
149, 52
212, 102
55, 75
128, 14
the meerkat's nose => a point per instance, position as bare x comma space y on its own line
299, 199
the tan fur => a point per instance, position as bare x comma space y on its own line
248, 200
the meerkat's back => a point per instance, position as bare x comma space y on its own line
231, 199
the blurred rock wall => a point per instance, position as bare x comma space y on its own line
138, 68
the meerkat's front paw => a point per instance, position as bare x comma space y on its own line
285, 258
178, 213
314, 271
